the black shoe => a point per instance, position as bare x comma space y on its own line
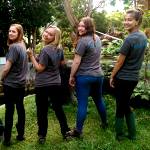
66, 136
6, 143
42, 139
132, 138
104, 125
120, 137
20, 138
74, 133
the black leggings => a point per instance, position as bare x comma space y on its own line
123, 92
43, 94
14, 96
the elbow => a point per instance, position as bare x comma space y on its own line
77, 62
39, 70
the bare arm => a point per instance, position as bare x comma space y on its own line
74, 68
38, 67
118, 65
6, 69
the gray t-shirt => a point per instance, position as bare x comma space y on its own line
133, 48
90, 51
50, 57
16, 77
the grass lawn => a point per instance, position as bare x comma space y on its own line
94, 138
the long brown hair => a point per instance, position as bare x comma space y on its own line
89, 26
19, 29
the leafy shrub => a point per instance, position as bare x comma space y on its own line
112, 48
38, 48
142, 90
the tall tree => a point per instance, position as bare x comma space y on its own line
75, 9
5, 19
32, 14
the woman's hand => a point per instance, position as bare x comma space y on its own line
30, 52
72, 81
111, 82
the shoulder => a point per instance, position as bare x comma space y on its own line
137, 35
85, 40
50, 49
17, 46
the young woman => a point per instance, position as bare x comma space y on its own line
48, 81
86, 73
125, 74
14, 79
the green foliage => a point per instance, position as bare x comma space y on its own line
5, 20
66, 41
112, 48
142, 90
115, 20
31, 13
5, 16
78, 7
38, 47
146, 19
101, 21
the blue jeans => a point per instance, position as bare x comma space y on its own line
89, 86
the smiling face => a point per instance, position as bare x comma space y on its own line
13, 33
48, 35
81, 28
130, 23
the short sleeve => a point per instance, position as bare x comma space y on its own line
12, 54
81, 47
125, 47
61, 55
43, 58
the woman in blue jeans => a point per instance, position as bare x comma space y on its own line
86, 73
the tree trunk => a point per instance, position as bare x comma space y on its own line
89, 8
72, 19
33, 42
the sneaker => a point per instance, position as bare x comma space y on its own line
66, 136
42, 139
74, 133
20, 138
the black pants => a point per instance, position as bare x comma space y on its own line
123, 92
14, 96
42, 96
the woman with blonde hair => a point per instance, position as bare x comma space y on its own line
48, 81
14, 79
